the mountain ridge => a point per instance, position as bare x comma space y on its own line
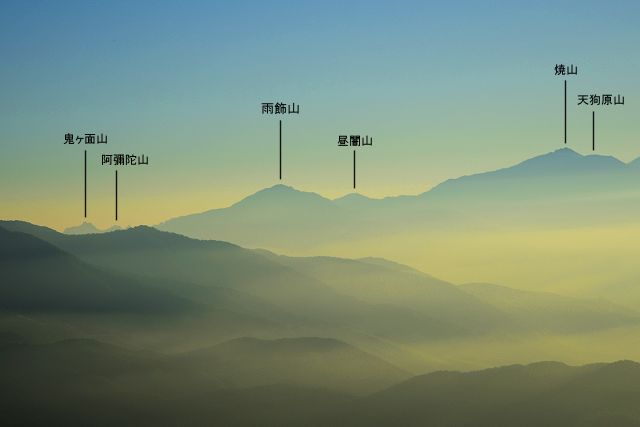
39, 276
554, 162
88, 228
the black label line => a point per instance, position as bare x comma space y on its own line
85, 184
354, 168
593, 130
565, 111
116, 195
280, 147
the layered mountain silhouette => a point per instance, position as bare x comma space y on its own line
37, 276
562, 187
541, 311
280, 340
549, 393
372, 296
50, 292
312, 362
269, 218
213, 291
88, 228
303, 381
307, 362
229, 278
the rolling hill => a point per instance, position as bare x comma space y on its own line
261, 287
303, 381
328, 295
86, 381
310, 362
37, 276
548, 393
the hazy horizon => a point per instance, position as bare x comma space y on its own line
445, 90
364, 213
110, 224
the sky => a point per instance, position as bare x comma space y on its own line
444, 88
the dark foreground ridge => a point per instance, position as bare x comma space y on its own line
242, 383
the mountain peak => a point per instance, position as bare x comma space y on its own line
560, 155
282, 189
566, 151
352, 196
281, 193
282, 186
88, 228
84, 228
565, 159
352, 199
561, 162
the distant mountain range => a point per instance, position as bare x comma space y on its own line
559, 188
88, 228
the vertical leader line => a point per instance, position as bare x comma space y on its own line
354, 168
593, 130
565, 111
85, 184
116, 195
280, 147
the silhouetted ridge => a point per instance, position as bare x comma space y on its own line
20, 246
38, 276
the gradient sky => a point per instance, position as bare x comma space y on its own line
445, 89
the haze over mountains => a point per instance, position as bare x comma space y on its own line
221, 291
83, 381
371, 296
38, 276
563, 175
553, 201
145, 326
549, 394
141, 326
88, 228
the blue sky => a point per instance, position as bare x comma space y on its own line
445, 88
